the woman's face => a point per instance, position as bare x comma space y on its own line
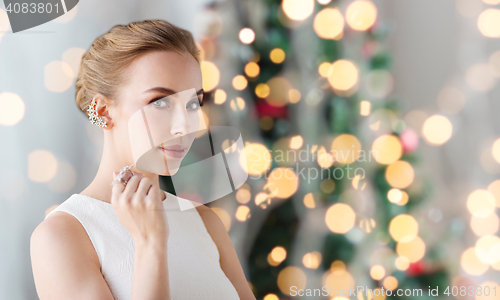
157, 114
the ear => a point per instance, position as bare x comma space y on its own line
102, 109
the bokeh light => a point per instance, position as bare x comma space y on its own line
387, 149
58, 76
239, 82
297, 10
471, 264
482, 226
365, 108
343, 75
210, 75
246, 35
242, 213
346, 148
12, 109
282, 182
312, 260
451, 100
73, 57
252, 69
437, 130
309, 201
278, 91
277, 55
256, 159
377, 272
495, 150
329, 24
400, 174
42, 165
291, 276
220, 96
413, 250
481, 203
403, 228
480, 78
488, 23
361, 15
340, 218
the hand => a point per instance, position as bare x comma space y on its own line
139, 208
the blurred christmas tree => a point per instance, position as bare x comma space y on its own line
334, 172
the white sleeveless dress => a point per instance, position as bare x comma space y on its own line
193, 258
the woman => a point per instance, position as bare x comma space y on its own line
130, 240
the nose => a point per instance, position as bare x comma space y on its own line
179, 121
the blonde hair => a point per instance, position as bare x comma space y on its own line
102, 66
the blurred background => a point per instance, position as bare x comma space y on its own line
371, 137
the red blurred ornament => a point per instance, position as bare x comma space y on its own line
409, 140
416, 268
265, 109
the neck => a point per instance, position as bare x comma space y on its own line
100, 187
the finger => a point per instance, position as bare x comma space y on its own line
144, 186
132, 184
118, 187
154, 192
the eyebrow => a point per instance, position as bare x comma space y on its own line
167, 90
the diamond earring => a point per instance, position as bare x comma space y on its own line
94, 117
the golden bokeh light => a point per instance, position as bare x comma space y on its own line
42, 166
495, 150
291, 276
309, 201
482, 226
223, 216
266, 123
488, 23
262, 90
394, 195
252, 69
239, 82
296, 142
256, 159
400, 174
297, 10
437, 130
402, 263
387, 149
413, 250
329, 24
243, 195
237, 104
210, 75
451, 100
471, 264
12, 109
220, 96
242, 213
358, 182
487, 249
377, 272
404, 199
277, 55
340, 218
312, 260
262, 200
294, 95
276, 256
367, 225
361, 15
403, 228
323, 69
338, 277
271, 297
278, 91
346, 148
324, 158
282, 182
390, 283
365, 108
481, 203
246, 35
58, 76
343, 75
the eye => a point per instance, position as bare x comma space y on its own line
159, 102
193, 105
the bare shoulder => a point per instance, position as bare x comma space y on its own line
212, 222
64, 262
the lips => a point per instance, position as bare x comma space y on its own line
175, 151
